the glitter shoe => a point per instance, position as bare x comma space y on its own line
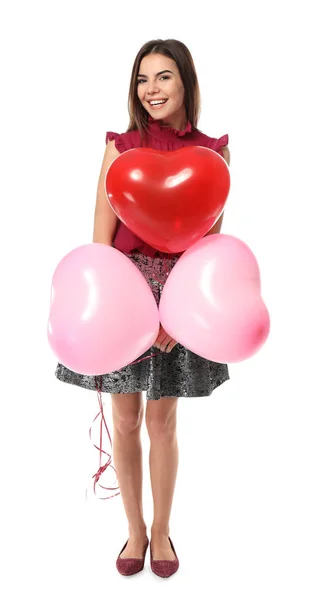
131, 566
164, 568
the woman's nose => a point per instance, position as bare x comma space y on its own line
152, 88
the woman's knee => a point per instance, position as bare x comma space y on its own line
127, 412
161, 418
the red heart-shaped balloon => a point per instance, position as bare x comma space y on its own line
168, 199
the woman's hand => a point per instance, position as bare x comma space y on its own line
164, 342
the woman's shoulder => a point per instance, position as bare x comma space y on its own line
211, 142
124, 141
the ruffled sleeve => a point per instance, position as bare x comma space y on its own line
221, 142
119, 142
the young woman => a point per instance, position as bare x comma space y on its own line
164, 105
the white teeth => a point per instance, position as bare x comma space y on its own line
157, 102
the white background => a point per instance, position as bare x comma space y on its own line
243, 514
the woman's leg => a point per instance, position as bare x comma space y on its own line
127, 412
161, 425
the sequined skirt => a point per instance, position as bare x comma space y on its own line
179, 373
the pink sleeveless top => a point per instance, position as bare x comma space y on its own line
163, 138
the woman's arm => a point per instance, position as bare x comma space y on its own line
217, 226
105, 219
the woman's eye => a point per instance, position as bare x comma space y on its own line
163, 77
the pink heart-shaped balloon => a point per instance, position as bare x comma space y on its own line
211, 302
103, 314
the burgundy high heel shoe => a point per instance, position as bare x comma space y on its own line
164, 568
131, 566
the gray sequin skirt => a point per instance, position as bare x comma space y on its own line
179, 373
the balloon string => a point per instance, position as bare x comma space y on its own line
102, 468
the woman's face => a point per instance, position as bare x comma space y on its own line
159, 79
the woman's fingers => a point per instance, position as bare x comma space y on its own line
164, 342
167, 346
171, 345
161, 337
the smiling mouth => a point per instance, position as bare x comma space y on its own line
158, 104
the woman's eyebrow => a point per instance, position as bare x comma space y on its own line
157, 74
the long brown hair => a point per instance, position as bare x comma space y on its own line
181, 55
